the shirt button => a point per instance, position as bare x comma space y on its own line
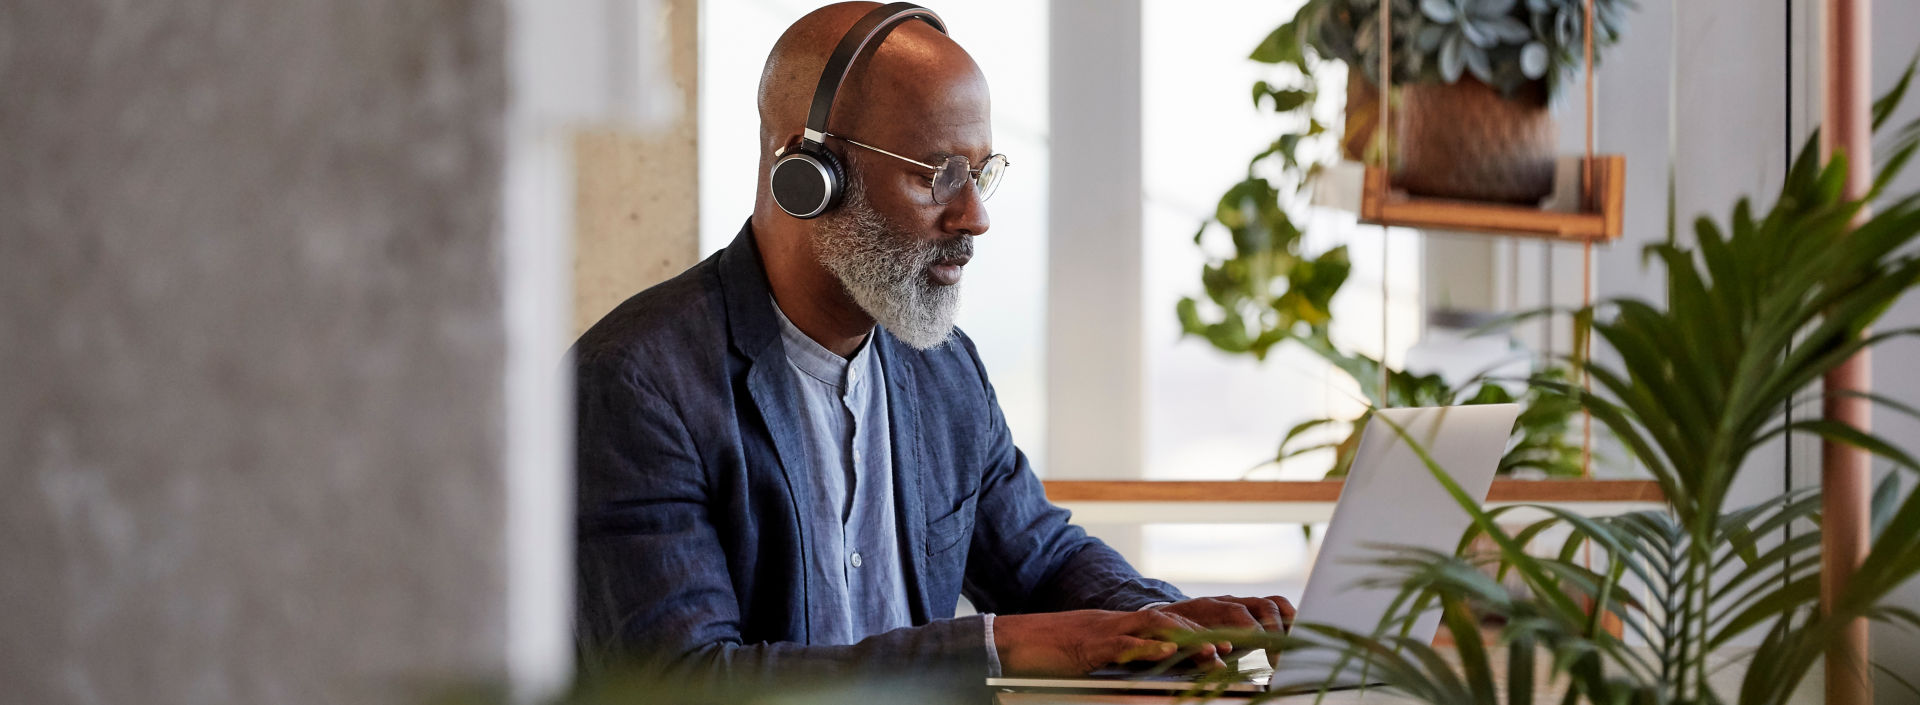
856, 456
856, 559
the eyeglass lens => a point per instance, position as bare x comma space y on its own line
957, 171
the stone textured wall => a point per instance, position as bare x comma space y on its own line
636, 216
251, 348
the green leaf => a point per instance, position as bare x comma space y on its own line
1884, 106
1440, 11
1773, 603
1510, 31
1281, 46
1842, 433
1189, 312
1471, 649
1520, 670
1285, 100
1452, 58
1896, 677
1533, 60
1886, 497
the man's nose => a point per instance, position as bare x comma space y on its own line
966, 213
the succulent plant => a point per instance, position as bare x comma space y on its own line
1503, 43
1463, 32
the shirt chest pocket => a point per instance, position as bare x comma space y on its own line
944, 531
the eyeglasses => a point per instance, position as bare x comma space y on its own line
953, 174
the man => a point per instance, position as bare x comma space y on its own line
790, 461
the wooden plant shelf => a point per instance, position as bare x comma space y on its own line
1381, 205
1504, 491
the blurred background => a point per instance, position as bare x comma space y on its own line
285, 290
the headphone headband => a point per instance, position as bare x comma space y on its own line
870, 27
808, 180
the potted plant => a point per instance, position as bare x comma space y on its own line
1756, 312
1268, 289
1474, 78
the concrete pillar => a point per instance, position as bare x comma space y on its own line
1094, 344
255, 277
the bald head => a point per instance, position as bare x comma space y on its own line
891, 252
913, 73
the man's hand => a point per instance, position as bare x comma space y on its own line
1271, 614
1075, 643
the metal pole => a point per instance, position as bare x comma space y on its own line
1846, 471
1585, 341
1386, 167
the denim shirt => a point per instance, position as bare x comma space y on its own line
856, 543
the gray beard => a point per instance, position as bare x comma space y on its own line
885, 268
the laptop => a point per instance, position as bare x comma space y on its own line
1390, 497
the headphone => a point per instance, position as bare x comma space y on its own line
807, 179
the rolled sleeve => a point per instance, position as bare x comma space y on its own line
993, 650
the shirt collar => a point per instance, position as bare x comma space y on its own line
816, 360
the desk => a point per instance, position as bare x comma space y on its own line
1306, 502
1725, 678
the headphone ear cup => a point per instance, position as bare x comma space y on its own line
807, 181
839, 178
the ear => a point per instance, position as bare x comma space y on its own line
786, 143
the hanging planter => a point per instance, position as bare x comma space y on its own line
1472, 81
1465, 141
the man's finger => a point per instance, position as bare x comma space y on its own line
1217, 612
1209, 661
1223, 613
1239, 615
1206, 653
1167, 624
1268, 612
1286, 610
1124, 649
1161, 622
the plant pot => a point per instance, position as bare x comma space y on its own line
1465, 141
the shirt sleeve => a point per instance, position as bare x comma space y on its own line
993, 649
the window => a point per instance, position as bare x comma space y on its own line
1211, 415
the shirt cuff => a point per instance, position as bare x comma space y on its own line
993, 651
1152, 605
